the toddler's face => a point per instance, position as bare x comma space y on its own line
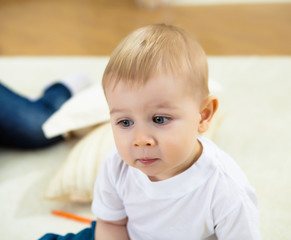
155, 126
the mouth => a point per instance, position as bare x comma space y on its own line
147, 161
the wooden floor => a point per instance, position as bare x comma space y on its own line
94, 27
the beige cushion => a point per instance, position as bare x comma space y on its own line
75, 179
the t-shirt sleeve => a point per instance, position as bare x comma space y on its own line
240, 224
107, 203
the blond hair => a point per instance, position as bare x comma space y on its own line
158, 49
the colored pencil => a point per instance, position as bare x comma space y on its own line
71, 216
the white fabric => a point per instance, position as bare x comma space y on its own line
85, 109
76, 82
210, 200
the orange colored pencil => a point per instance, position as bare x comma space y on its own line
71, 216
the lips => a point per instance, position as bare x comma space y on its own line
147, 161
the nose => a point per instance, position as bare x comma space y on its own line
141, 139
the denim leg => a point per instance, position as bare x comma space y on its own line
21, 119
85, 234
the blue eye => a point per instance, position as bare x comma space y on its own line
125, 123
160, 119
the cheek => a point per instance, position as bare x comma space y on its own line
179, 145
122, 144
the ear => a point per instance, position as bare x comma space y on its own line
207, 111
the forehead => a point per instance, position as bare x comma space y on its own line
161, 91
153, 84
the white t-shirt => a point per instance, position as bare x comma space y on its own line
210, 200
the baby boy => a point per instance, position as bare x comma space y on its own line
164, 180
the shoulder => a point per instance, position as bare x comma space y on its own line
223, 164
231, 188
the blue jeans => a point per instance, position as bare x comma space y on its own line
85, 234
21, 119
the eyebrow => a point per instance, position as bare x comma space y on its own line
116, 110
164, 105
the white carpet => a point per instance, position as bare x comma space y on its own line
255, 130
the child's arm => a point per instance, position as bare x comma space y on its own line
106, 230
